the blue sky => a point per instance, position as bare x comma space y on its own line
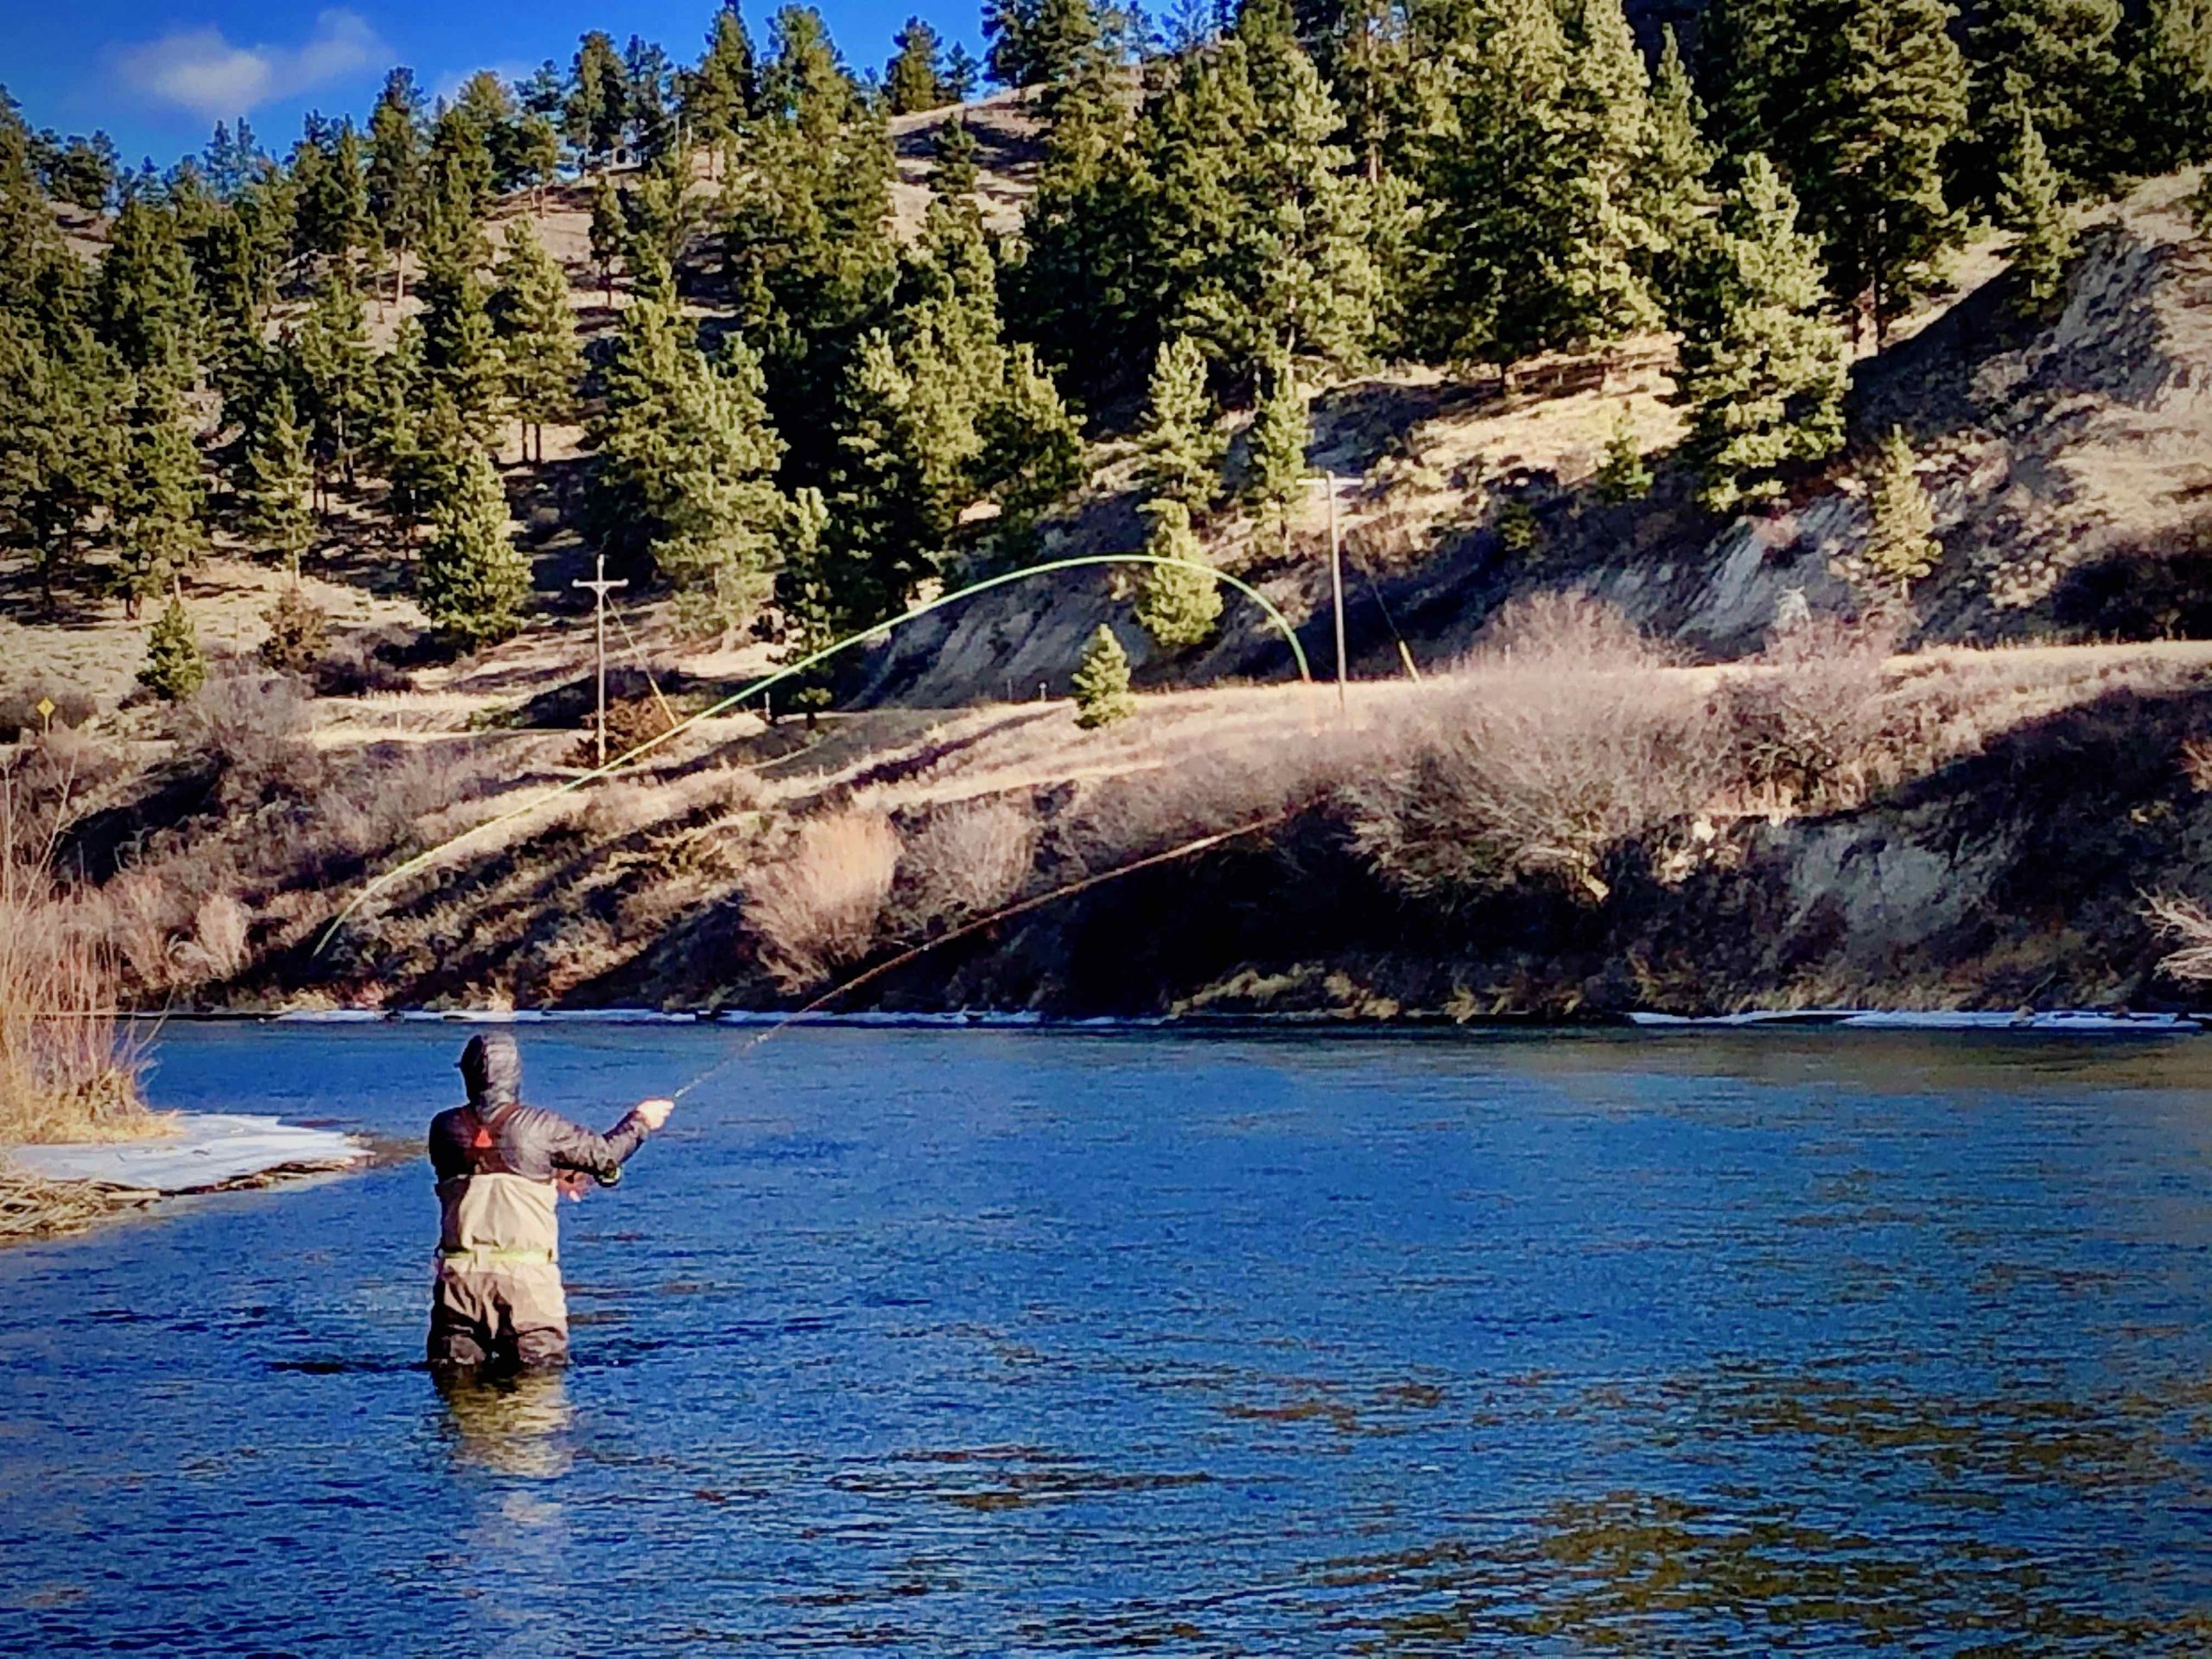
158, 77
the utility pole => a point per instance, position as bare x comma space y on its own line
599, 587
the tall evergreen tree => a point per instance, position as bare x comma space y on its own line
722, 517
1763, 367
909, 81
2172, 72
1281, 429
537, 331
1532, 242
159, 529
610, 231
595, 117
2056, 64
1901, 548
1033, 449
646, 75
953, 173
474, 582
2030, 205
537, 154
1177, 605
274, 478
1259, 224
1181, 439
394, 180
1675, 194
1884, 122
148, 303
61, 463
334, 369
719, 94
460, 348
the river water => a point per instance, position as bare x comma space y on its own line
1009, 1343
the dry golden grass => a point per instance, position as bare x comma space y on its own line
66, 1072
817, 908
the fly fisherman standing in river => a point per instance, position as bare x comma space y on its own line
501, 1168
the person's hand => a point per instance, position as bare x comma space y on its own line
655, 1112
573, 1185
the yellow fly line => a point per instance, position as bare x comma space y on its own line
406, 867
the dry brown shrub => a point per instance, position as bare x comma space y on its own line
1568, 632
67, 1072
965, 860
816, 909
2188, 925
2197, 762
1542, 763
630, 722
1810, 724
254, 731
216, 948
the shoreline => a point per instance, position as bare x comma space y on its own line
63, 1189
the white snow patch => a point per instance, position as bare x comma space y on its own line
210, 1150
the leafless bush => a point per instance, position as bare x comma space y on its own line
1568, 632
1808, 718
254, 729
817, 908
1542, 765
2197, 762
965, 861
2187, 925
216, 949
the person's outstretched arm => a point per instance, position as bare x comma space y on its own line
572, 1146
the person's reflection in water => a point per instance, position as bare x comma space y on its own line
515, 1425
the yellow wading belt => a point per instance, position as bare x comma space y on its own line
484, 1255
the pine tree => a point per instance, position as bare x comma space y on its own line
537, 331
146, 303
721, 516
610, 231
2173, 77
1532, 242
335, 371
175, 667
1883, 123
1626, 474
537, 154
1257, 224
275, 477
910, 82
1763, 367
61, 464
1032, 447
158, 526
953, 174
1676, 194
719, 94
1900, 547
299, 631
475, 583
460, 348
2029, 205
394, 173
1281, 431
595, 114
1101, 683
1181, 440
646, 73
2053, 63
1175, 605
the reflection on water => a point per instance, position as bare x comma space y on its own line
512, 1424
980, 1345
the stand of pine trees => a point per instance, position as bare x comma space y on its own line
1281, 194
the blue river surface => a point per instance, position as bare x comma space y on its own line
1044, 1341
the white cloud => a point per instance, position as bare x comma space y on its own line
197, 69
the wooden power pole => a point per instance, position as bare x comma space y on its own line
599, 587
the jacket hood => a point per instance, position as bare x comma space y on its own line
491, 1067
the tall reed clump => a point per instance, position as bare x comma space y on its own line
67, 1071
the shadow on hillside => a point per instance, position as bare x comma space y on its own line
2143, 594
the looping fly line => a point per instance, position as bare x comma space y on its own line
401, 871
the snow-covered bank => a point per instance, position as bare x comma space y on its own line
209, 1151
